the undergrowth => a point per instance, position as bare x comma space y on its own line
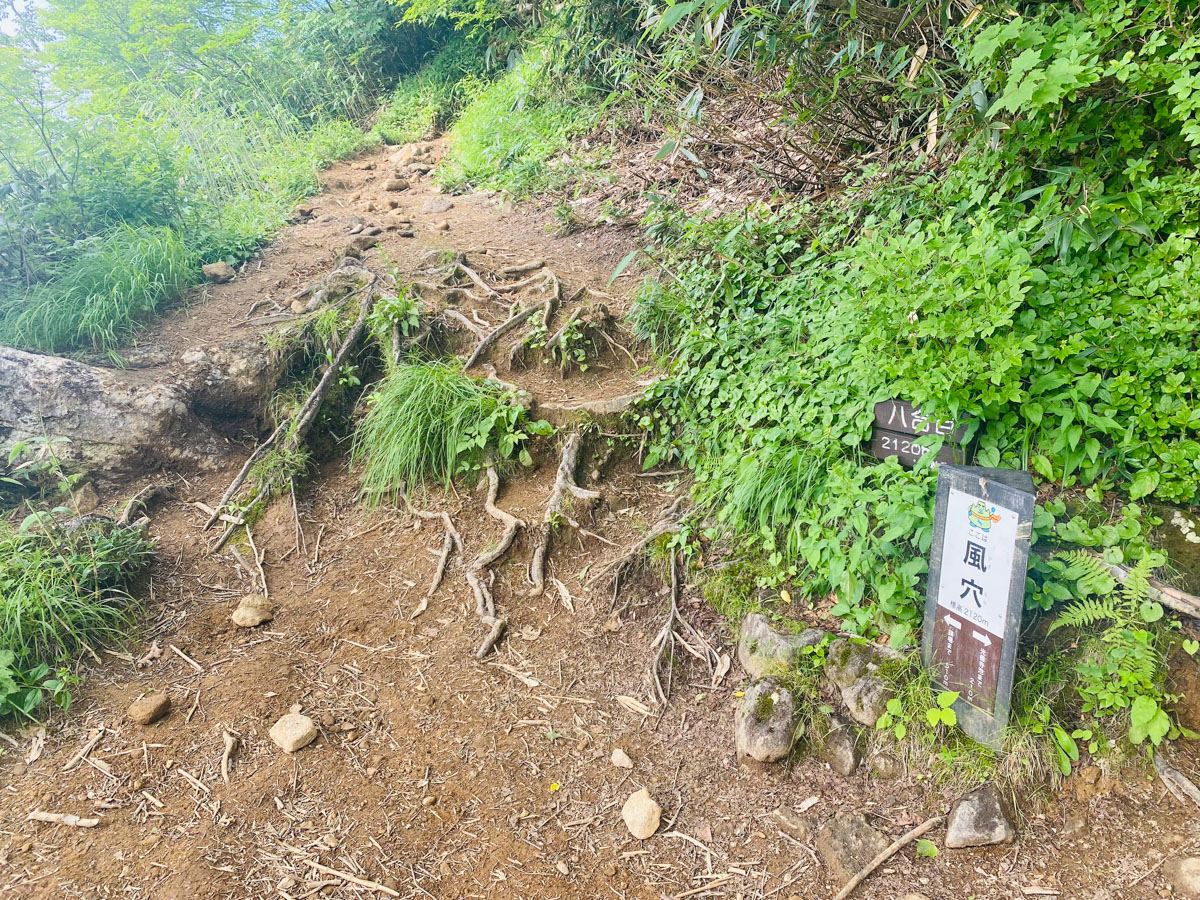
60, 594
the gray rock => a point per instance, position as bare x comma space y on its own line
363, 242
149, 709
841, 747
1184, 875
293, 732
218, 272
866, 699
886, 767
767, 723
396, 184
763, 651
847, 843
979, 819
437, 205
847, 661
799, 825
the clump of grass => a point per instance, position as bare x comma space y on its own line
61, 592
117, 282
420, 420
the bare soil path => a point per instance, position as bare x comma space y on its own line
436, 774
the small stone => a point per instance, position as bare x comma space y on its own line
798, 825
420, 168
218, 272
563, 868
356, 228
621, 759
886, 767
767, 723
437, 205
85, 499
151, 708
847, 843
1184, 875
364, 242
443, 225
841, 748
428, 801
979, 819
396, 184
763, 651
327, 719
866, 699
404, 155
1074, 826
293, 732
303, 211
253, 610
641, 814
325, 218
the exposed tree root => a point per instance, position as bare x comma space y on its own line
521, 268
618, 569
296, 427
676, 632
564, 484
1181, 787
485, 604
451, 542
517, 318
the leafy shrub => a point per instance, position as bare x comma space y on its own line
117, 282
431, 420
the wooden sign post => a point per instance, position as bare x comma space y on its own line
898, 425
983, 523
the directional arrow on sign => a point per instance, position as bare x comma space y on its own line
953, 622
982, 638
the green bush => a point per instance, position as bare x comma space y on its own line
429, 420
426, 102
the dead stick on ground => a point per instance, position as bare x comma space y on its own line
307, 414
258, 561
230, 745
887, 854
70, 819
353, 879
564, 484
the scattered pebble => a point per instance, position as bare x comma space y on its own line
293, 732
641, 814
253, 610
563, 868
443, 225
621, 759
149, 709
396, 184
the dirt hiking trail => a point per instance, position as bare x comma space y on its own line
437, 774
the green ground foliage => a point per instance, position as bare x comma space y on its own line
60, 593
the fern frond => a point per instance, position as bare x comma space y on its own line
1136, 586
1089, 571
1089, 612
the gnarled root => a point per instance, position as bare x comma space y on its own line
564, 485
296, 428
451, 542
617, 570
676, 632
485, 604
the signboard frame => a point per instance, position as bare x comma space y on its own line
897, 426
1012, 490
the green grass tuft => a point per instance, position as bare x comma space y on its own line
59, 592
116, 283
420, 416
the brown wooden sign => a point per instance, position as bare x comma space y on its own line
898, 424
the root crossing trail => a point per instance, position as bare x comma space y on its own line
456, 757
